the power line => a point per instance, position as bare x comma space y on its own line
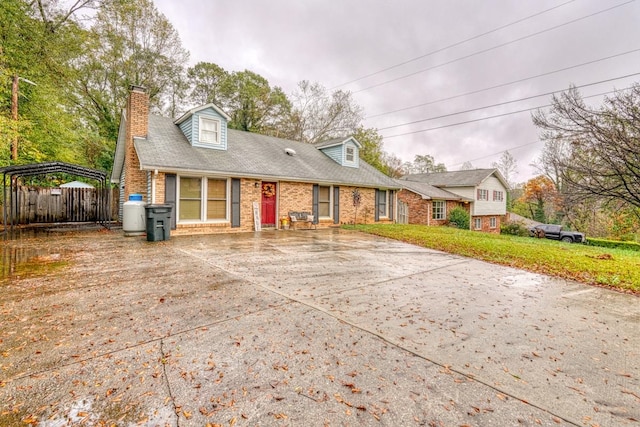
452, 45
503, 84
490, 117
504, 103
517, 147
494, 47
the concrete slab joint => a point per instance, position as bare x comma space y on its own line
331, 327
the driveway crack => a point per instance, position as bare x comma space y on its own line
164, 362
426, 358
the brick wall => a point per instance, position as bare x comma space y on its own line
159, 187
292, 196
366, 210
137, 126
451, 204
419, 208
486, 223
249, 193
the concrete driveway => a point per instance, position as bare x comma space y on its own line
304, 328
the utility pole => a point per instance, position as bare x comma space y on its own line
14, 116
14, 113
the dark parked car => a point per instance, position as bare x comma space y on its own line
555, 232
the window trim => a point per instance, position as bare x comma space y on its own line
179, 200
498, 196
477, 221
204, 183
353, 154
330, 187
444, 210
482, 194
218, 123
206, 200
386, 204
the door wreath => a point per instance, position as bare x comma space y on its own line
268, 190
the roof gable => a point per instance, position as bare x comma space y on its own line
205, 127
191, 112
429, 192
344, 151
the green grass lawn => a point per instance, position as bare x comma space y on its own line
615, 268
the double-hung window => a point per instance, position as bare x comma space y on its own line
382, 203
216, 199
439, 209
483, 194
350, 154
190, 199
324, 202
477, 223
492, 222
202, 199
209, 131
498, 196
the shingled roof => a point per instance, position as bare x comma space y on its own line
466, 178
429, 192
249, 155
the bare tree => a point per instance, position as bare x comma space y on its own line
467, 166
601, 153
394, 165
507, 165
54, 16
318, 115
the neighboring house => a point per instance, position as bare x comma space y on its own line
428, 198
223, 180
422, 203
76, 184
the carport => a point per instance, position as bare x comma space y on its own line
11, 210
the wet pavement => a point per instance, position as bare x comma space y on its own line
313, 328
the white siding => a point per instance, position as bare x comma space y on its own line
191, 129
490, 207
468, 192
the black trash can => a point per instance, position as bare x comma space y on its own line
158, 222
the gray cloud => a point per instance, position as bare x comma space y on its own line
335, 42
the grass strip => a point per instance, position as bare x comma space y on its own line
610, 267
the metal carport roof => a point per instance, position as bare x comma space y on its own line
45, 168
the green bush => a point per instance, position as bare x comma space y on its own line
459, 217
514, 228
617, 244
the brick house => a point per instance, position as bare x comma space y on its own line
428, 198
214, 176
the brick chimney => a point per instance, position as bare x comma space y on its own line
137, 114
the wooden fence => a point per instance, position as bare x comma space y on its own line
50, 205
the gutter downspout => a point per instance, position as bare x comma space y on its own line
153, 186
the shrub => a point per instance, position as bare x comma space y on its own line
514, 228
459, 218
617, 244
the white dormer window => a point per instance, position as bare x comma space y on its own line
209, 131
350, 154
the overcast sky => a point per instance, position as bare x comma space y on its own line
448, 47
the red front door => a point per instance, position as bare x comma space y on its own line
269, 204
